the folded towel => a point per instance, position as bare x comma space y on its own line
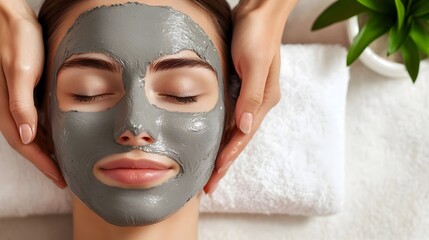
293, 165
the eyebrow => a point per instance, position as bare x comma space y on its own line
87, 62
175, 63
162, 65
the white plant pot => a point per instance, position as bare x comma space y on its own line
375, 61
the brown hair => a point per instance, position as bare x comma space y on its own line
51, 16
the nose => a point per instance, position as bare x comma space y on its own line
129, 139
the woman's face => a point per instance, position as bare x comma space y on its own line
137, 107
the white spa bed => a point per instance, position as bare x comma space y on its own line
386, 165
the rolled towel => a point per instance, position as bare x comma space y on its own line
294, 164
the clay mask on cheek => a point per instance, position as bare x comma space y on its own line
136, 35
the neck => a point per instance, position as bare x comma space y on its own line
181, 225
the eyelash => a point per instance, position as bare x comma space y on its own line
87, 99
185, 100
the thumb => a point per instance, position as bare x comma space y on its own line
253, 77
21, 104
23, 66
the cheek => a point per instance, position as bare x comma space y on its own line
188, 133
194, 137
83, 136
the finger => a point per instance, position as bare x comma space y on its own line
271, 98
239, 140
221, 168
23, 67
230, 152
31, 151
251, 95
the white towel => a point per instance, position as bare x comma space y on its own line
294, 165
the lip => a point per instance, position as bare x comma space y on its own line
134, 173
133, 164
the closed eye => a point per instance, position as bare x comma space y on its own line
88, 99
184, 100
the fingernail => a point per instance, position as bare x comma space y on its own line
61, 185
222, 169
246, 121
59, 181
53, 177
25, 133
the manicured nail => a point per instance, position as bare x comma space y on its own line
222, 169
53, 177
246, 122
59, 181
61, 185
25, 133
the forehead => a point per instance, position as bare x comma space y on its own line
190, 9
135, 32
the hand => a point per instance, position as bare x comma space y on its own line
21, 64
256, 56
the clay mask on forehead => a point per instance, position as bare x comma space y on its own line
135, 35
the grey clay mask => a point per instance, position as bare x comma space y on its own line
136, 35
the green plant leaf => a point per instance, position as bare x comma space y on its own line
376, 26
409, 4
400, 11
420, 8
420, 36
424, 17
376, 5
411, 57
397, 38
338, 11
